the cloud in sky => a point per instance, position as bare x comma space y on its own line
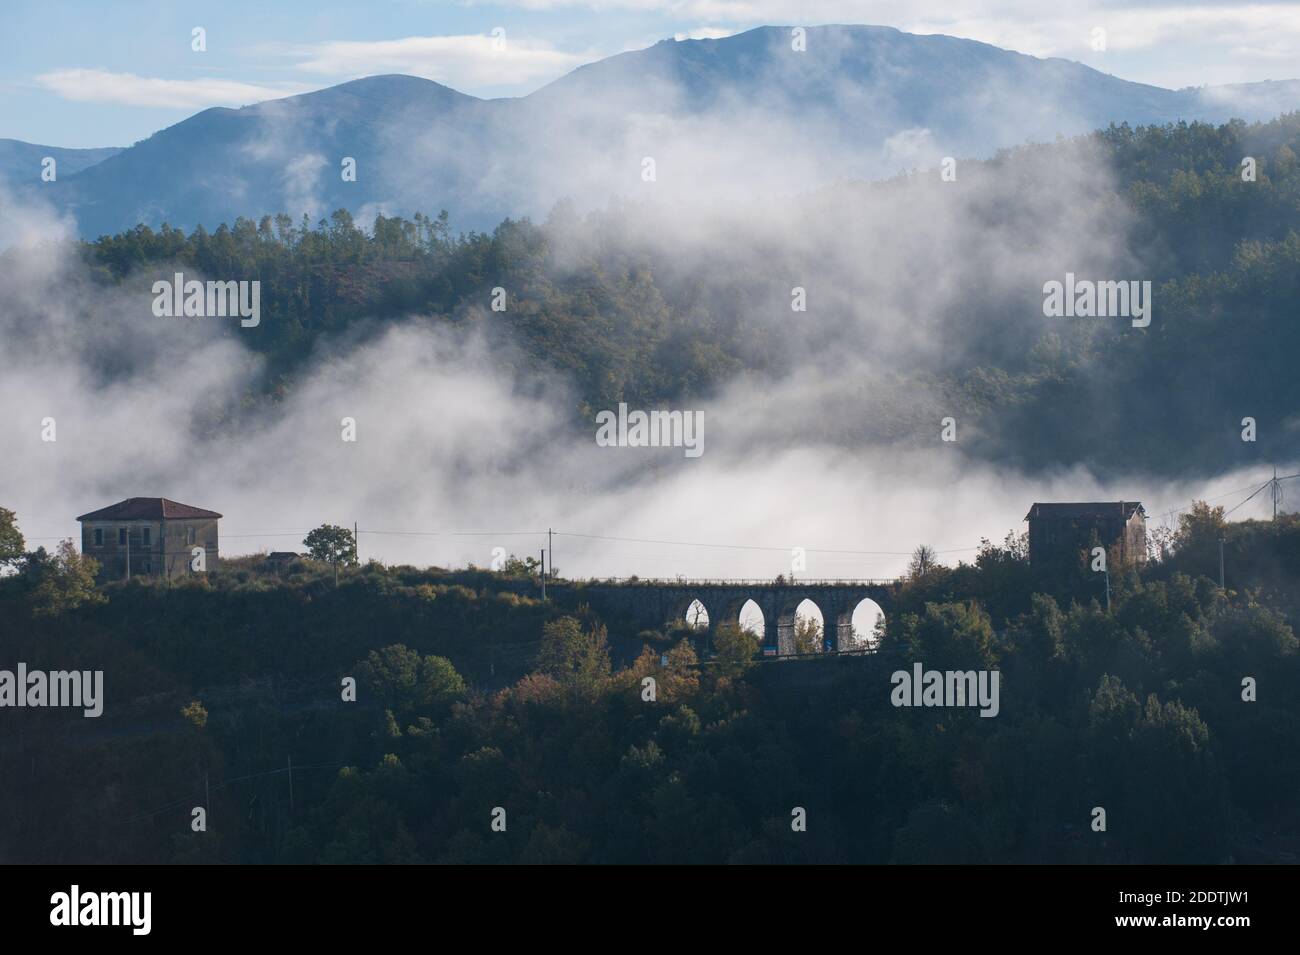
703, 33
127, 89
1172, 44
1069, 32
458, 61
1178, 43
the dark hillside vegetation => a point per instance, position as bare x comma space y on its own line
473, 695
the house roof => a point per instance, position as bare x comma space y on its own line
1086, 509
147, 509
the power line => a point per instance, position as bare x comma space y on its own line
1208, 500
1274, 481
1267, 483
815, 550
459, 533
1249, 487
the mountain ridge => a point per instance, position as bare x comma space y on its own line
861, 102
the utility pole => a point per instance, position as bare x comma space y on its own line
543, 573
550, 548
356, 543
1277, 493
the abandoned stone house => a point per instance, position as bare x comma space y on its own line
149, 536
1060, 533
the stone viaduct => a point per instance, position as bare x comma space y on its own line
652, 604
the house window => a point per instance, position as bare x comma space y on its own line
121, 537
99, 537
144, 536
189, 535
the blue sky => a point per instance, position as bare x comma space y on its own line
109, 73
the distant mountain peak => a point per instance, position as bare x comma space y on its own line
735, 113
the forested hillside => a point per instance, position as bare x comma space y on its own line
473, 695
630, 304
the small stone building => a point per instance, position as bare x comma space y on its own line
1059, 533
149, 536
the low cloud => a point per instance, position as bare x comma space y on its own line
127, 89
457, 61
459, 452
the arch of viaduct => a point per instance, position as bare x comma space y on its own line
652, 604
